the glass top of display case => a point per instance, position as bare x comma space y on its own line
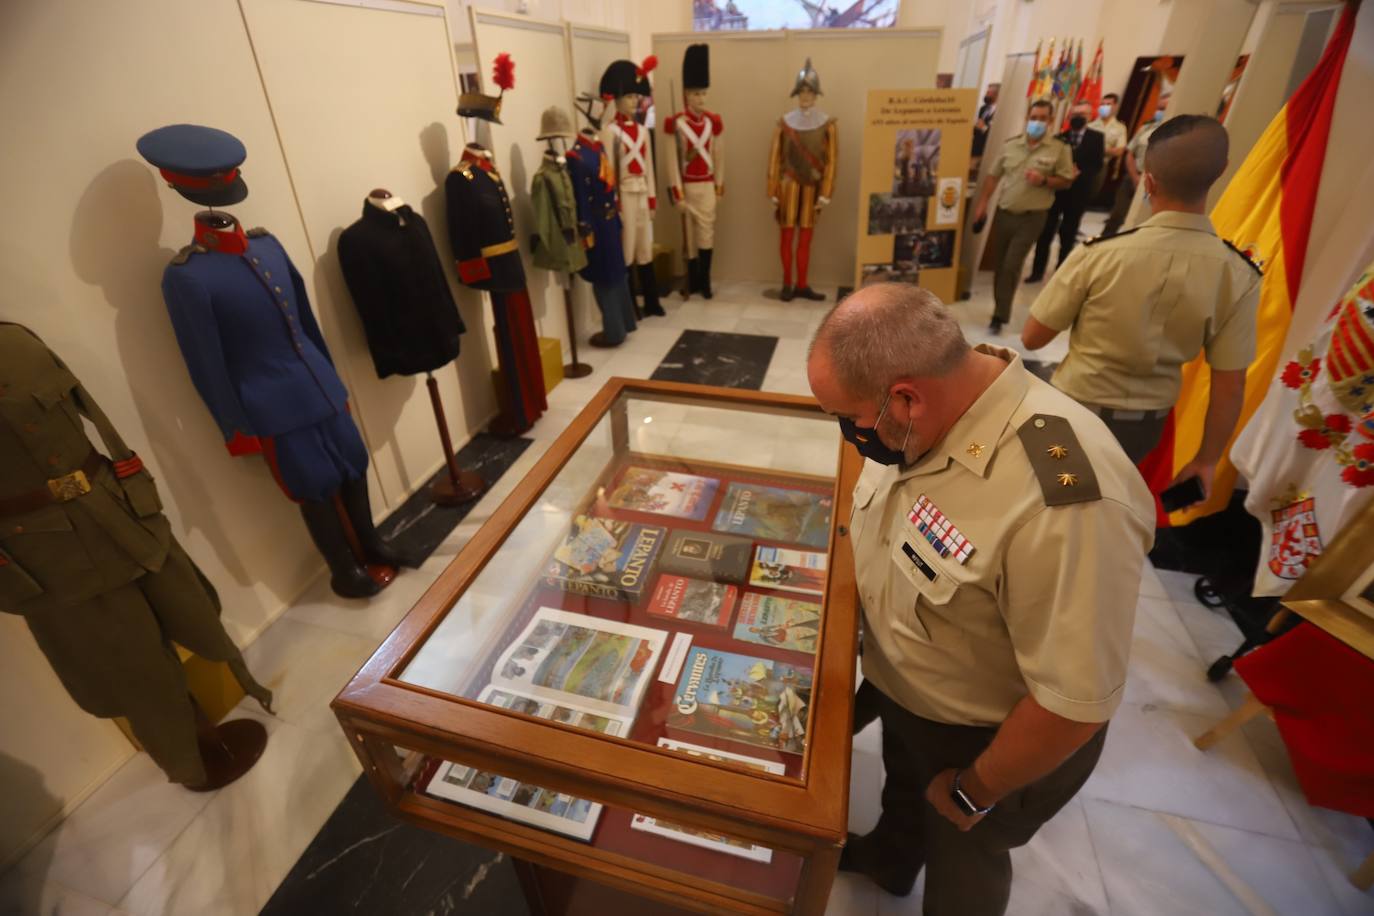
666, 586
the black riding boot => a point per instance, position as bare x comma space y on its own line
704, 277
347, 576
648, 287
359, 506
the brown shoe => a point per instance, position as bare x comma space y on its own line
599, 340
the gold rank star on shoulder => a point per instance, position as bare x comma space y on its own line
975, 449
1067, 480
1057, 452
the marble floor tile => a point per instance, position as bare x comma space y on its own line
866, 780
1165, 669
1150, 762
231, 857
852, 895
1057, 871
305, 666
774, 327
30, 895
113, 837
1150, 584
1150, 869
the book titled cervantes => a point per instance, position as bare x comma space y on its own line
693, 600
743, 698
664, 493
775, 514
605, 558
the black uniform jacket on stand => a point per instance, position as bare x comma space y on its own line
480, 227
401, 291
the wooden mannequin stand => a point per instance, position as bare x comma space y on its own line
380, 573
576, 368
458, 486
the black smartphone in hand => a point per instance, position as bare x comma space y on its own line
1182, 495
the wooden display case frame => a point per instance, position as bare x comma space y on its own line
395, 727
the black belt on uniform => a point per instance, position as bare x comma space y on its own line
59, 489
1112, 413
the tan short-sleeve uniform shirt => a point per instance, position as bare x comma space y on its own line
1044, 604
1113, 132
1049, 157
1141, 304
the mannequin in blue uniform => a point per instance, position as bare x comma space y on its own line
259, 362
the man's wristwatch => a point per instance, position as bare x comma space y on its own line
962, 801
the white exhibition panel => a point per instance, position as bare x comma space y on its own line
81, 263
968, 71
752, 74
364, 97
539, 49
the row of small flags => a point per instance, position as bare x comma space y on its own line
1065, 78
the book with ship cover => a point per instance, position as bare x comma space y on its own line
693, 600
789, 570
605, 558
775, 514
784, 623
664, 493
743, 698
699, 836
705, 555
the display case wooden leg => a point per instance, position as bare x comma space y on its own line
458, 486
528, 875
817, 877
576, 368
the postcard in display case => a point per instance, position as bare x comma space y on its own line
605, 558
790, 570
696, 836
786, 623
693, 600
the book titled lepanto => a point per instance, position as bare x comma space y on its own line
693, 600
785, 623
775, 514
664, 493
742, 698
605, 558
704, 555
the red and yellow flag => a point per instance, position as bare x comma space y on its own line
1266, 211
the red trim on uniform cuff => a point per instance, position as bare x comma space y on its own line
128, 467
653, 204
243, 445
474, 270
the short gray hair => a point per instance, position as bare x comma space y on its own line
888, 331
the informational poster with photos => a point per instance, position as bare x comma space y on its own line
699, 836
915, 156
598, 665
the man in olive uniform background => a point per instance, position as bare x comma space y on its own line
89, 561
1035, 166
998, 535
1144, 302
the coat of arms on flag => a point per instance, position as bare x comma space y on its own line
1295, 541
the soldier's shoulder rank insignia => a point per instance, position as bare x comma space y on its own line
1061, 466
1107, 238
1244, 256
184, 255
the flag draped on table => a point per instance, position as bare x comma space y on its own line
1265, 211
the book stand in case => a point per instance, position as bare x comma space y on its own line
636, 678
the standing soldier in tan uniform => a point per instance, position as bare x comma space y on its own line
1144, 302
801, 177
1035, 166
998, 535
696, 165
88, 560
1114, 136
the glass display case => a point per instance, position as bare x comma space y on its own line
640, 670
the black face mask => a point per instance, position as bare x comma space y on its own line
1077, 122
865, 439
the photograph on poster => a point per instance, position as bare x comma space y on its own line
947, 201
916, 162
936, 249
905, 247
888, 273
888, 214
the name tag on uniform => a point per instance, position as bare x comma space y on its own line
916, 561
939, 531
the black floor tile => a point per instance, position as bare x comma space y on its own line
718, 358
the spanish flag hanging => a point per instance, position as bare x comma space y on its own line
1266, 211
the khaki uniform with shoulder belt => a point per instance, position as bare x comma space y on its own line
88, 560
1004, 563
1141, 304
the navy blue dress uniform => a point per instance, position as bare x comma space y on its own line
88, 560
258, 360
400, 290
482, 235
594, 190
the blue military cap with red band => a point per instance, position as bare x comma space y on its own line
200, 163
